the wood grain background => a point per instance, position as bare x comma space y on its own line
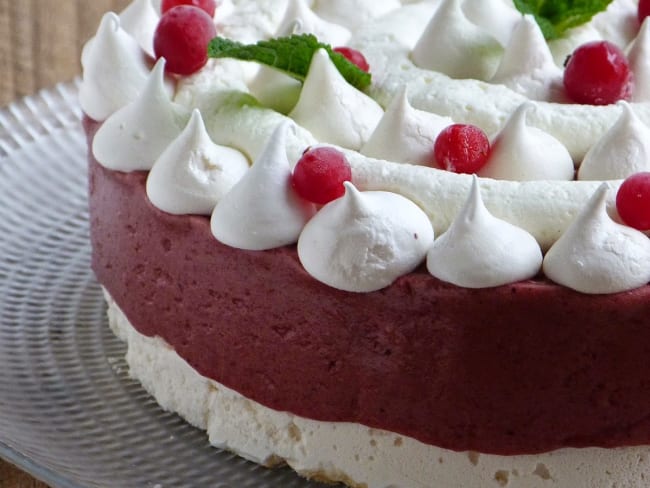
41, 40
40, 45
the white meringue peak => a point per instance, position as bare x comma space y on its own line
300, 19
479, 250
140, 19
353, 13
194, 173
262, 211
114, 70
455, 46
135, 136
497, 17
622, 151
527, 65
638, 55
364, 241
333, 110
405, 134
524, 153
597, 255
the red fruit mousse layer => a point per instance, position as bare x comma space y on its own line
517, 369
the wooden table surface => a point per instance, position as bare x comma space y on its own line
40, 45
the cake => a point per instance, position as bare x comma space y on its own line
343, 339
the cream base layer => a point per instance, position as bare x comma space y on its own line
352, 453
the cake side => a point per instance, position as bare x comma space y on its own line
353, 453
517, 369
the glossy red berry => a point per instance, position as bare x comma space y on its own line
182, 38
320, 173
633, 201
597, 73
461, 148
644, 10
208, 6
354, 56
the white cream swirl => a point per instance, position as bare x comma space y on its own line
353, 13
455, 46
621, 152
135, 136
300, 19
638, 55
194, 173
479, 250
262, 211
332, 109
114, 70
405, 134
527, 65
597, 255
524, 153
364, 241
140, 19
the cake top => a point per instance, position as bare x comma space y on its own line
495, 71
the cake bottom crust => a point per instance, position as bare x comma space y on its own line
352, 453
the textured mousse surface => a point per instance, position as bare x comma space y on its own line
516, 369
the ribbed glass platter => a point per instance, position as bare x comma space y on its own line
69, 413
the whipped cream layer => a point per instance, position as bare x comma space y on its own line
350, 452
329, 110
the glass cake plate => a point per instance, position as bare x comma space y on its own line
69, 413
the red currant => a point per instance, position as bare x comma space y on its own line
354, 56
644, 10
182, 38
461, 148
208, 6
597, 73
320, 173
633, 201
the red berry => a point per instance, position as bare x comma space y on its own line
354, 56
597, 73
633, 201
182, 38
208, 6
644, 10
320, 173
461, 148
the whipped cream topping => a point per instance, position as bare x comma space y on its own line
496, 17
194, 173
275, 89
527, 65
542, 207
455, 46
364, 241
405, 134
353, 13
479, 250
523, 153
638, 55
136, 135
140, 20
332, 109
598, 255
114, 70
300, 19
621, 152
262, 211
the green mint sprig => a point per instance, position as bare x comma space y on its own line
556, 16
292, 55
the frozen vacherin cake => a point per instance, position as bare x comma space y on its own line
397, 322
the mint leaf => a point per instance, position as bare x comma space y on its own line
292, 55
557, 16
